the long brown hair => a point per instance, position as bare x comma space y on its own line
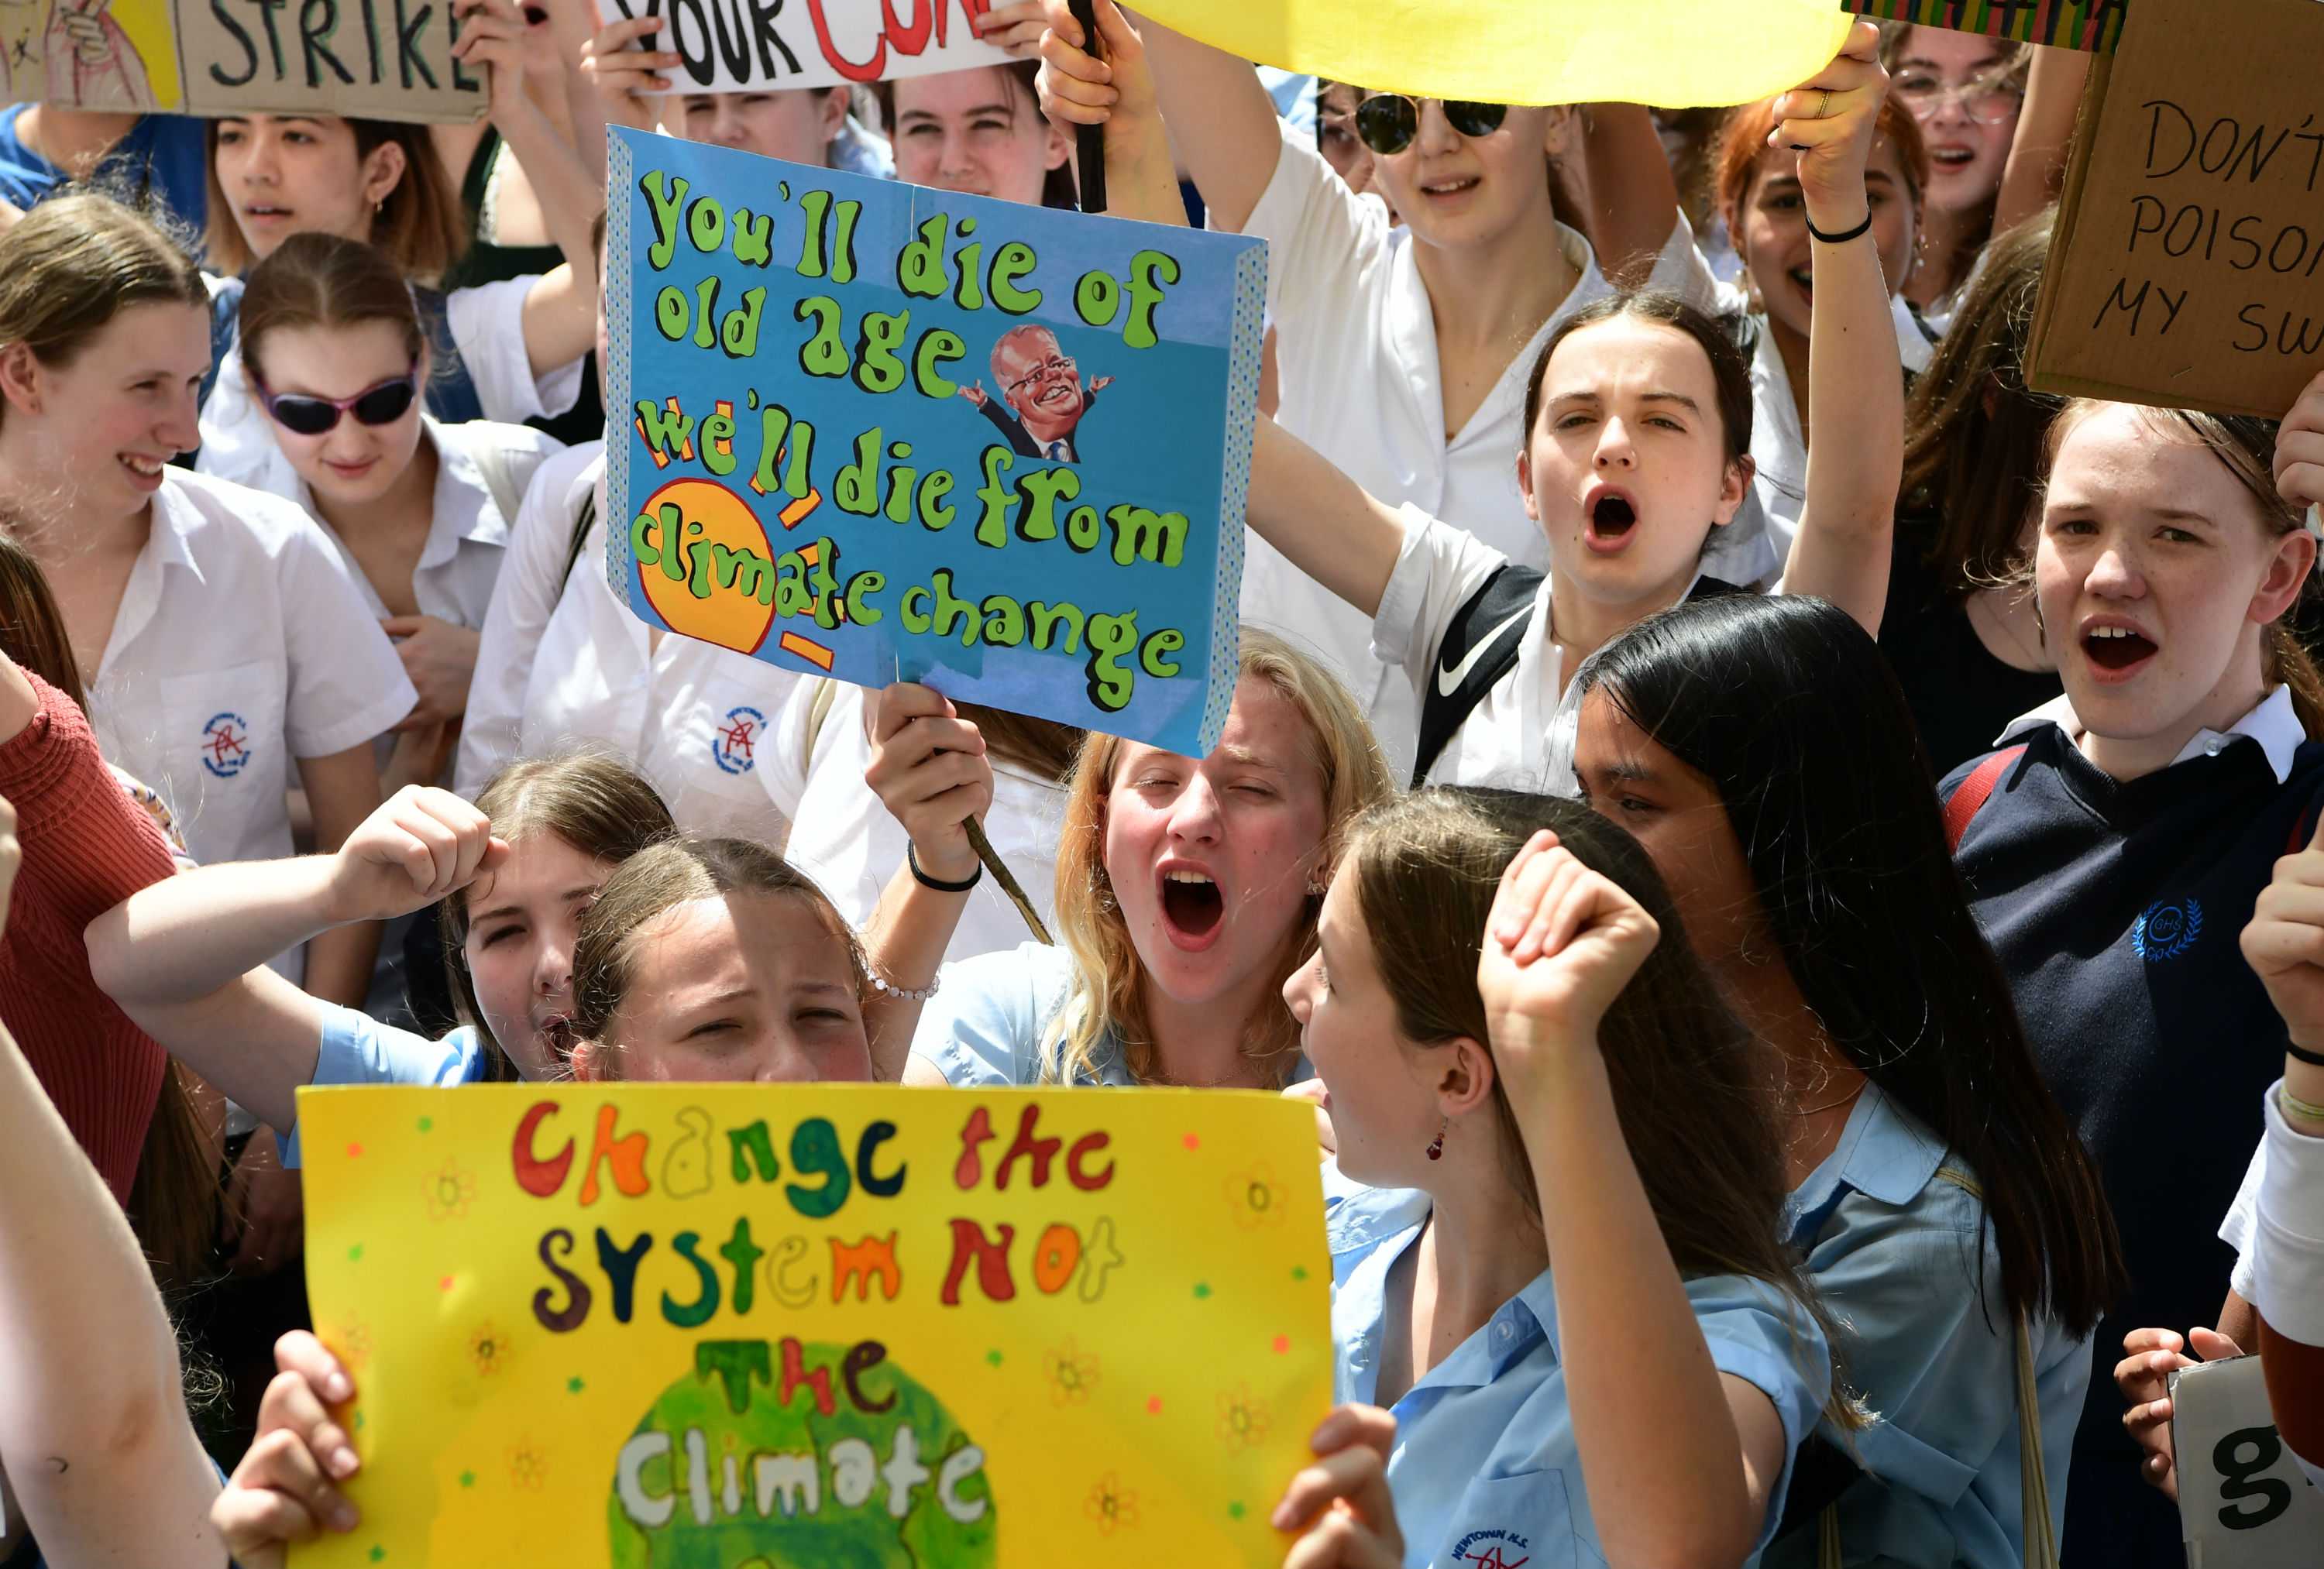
76, 262
323, 280
590, 800
1974, 430
2245, 447
1108, 993
678, 870
173, 1198
420, 223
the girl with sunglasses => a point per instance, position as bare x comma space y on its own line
2123, 833
216, 632
510, 350
420, 511
1402, 349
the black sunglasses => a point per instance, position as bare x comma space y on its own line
309, 416
1388, 122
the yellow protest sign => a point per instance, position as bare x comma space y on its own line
740, 1327
1676, 53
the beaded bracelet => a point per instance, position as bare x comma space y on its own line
887, 988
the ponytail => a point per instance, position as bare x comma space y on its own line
2286, 660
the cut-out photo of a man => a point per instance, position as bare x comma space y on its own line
1042, 395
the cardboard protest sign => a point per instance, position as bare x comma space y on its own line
382, 60
2244, 1502
1676, 53
756, 46
2090, 25
746, 1327
2188, 264
874, 431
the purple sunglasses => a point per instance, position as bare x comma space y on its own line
310, 415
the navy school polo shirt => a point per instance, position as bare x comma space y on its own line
2115, 909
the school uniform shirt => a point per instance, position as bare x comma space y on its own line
844, 838
985, 1026
690, 717
1779, 444
486, 323
358, 1049
1897, 1250
1485, 1467
2276, 1227
468, 536
2115, 908
1520, 737
1357, 362
240, 646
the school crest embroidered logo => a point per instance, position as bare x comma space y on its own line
1489, 1549
2168, 929
225, 745
733, 745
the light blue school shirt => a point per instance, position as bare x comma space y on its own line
1895, 1250
984, 1027
1485, 1459
358, 1049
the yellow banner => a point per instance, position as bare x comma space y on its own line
1675, 53
740, 1327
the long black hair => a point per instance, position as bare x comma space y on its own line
1788, 708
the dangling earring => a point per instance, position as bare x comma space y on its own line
379, 206
1436, 1146
2041, 626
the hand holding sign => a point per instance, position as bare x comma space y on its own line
622, 69
421, 844
1016, 28
1830, 119
2284, 943
1081, 89
286, 1488
2144, 1377
1357, 1527
929, 770
2300, 448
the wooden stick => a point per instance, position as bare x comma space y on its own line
1089, 157
1007, 879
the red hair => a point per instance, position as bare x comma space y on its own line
1744, 138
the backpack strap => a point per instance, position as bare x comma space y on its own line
225, 327
581, 522
491, 460
1481, 646
1972, 793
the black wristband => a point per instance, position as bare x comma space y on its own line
1816, 233
912, 859
2302, 1054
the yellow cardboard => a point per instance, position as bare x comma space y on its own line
872, 1326
1676, 53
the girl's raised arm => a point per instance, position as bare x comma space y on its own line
93, 1430
1682, 1459
1077, 89
1856, 381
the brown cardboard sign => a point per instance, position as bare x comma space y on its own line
2188, 265
381, 59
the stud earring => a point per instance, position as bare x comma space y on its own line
1436, 1146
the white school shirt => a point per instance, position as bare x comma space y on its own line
1356, 361
688, 716
486, 323
467, 537
843, 835
240, 646
2276, 1226
1779, 445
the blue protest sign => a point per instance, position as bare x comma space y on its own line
871, 430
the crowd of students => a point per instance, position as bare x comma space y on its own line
1736, 810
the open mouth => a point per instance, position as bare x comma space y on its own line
1952, 157
1609, 521
2116, 649
1804, 278
147, 470
1192, 906
1460, 186
558, 1032
535, 16
1055, 392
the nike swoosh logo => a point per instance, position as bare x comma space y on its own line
1448, 680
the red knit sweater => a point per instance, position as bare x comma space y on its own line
87, 848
